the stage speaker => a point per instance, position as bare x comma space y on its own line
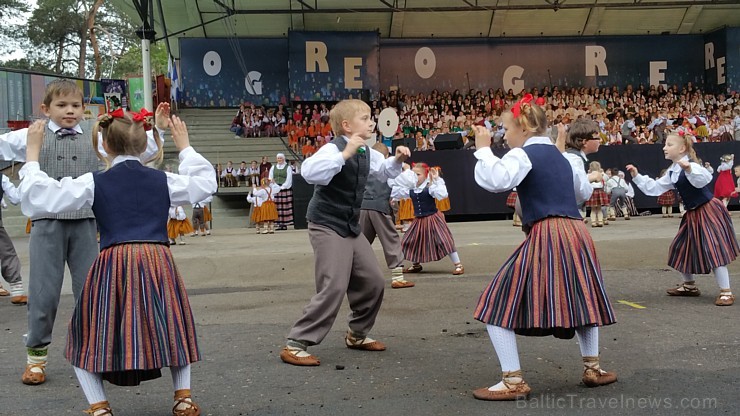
406, 141
448, 141
302, 193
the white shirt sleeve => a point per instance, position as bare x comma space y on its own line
288, 178
13, 145
581, 186
438, 189
383, 168
42, 195
699, 176
181, 214
11, 191
653, 187
320, 168
498, 175
196, 180
406, 180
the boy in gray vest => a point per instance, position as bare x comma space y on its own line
9, 263
376, 221
69, 238
344, 260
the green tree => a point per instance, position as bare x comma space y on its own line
10, 32
129, 64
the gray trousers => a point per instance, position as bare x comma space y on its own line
343, 266
54, 243
375, 223
10, 266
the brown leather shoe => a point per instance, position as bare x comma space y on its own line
683, 290
725, 299
19, 300
459, 270
99, 409
415, 268
401, 284
357, 344
517, 391
288, 356
31, 378
182, 397
4, 291
596, 378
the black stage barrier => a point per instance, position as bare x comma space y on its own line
469, 199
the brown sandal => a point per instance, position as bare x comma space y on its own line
515, 391
684, 290
414, 268
183, 397
459, 269
97, 407
725, 299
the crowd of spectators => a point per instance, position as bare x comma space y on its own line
639, 115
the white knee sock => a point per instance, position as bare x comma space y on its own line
688, 277
454, 257
588, 340
722, 276
504, 342
181, 377
91, 384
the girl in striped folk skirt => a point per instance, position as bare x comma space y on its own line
133, 315
511, 203
667, 199
265, 212
552, 283
428, 238
599, 198
706, 240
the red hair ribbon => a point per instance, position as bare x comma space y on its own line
118, 113
518, 106
141, 117
540, 101
681, 133
423, 166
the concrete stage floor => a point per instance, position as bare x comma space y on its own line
673, 355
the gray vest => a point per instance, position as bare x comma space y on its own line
337, 205
377, 196
69, 156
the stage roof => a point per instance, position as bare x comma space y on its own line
434, 18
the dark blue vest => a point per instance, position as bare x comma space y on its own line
547, 191
424, 205
131, 204
692, 196
337, 205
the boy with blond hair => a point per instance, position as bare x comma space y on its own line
344, 260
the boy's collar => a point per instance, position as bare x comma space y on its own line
51, 125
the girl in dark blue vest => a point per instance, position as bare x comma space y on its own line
552, 283
133, 315
706, 239
428, 238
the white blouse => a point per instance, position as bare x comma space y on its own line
699, 177
42, 195
258, 196
502, 174
408, 179
320, 168
288, 178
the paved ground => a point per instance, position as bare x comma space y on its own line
673, 356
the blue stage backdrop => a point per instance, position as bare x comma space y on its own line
226, 72
329, 66
420, 65
732, 71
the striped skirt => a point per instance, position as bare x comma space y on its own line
133, 316
284, 202
511, 200
667, 198
405, 210
176, 228
207, 214
427, 239
442, 204
550, 285
705, 240
599, 198
630, 204
267, 212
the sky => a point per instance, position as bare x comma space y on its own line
19, 19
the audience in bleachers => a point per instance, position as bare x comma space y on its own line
630, 116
